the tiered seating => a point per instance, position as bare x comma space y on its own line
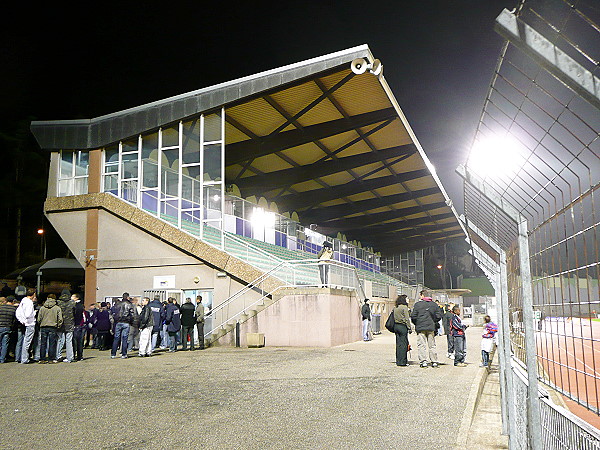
235, 245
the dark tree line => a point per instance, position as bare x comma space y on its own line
23, 187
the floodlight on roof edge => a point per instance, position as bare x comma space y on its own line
361, 65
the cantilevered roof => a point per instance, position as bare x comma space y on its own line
313, 137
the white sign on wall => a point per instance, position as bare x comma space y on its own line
164, 282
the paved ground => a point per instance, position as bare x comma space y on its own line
352, 396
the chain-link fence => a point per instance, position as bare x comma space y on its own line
531, 205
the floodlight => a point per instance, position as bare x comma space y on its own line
496, 157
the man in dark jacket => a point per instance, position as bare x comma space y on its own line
81, 317
123, 317
65, 334
365, 312
158, 315
426, 315
446, 318
188, 323
173, 321
7, 321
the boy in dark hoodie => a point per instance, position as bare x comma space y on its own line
457, 329
50, 319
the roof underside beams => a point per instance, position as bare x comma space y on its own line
287, 177
324, 213
317, 196
349, 223
392, 227
255, 148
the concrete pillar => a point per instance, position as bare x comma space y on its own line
91, 235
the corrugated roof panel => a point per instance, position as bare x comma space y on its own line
304, 154
331, 80
391, 189
337, 178
362, 94
392, 135
361, 196
323, 111
307, 186
367, 168
420, 183
232, 134
257, 116
270, 163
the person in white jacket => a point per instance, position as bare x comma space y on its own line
26, 315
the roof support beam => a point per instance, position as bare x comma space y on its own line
408, 244
392, 227
349, 223
312, 198
243, 151
324, 213
291, 176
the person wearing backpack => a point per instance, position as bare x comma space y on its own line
425, 316
123, 317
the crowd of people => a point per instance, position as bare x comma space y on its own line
35, 331
430, 319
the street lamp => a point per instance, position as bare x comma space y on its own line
41, 234
440, 268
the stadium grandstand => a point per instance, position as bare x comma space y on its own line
230, 191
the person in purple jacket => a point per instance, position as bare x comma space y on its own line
103, 324
457, 330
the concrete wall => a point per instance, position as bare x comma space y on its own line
308, 318
129, 258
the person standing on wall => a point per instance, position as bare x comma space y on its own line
365, 312
325, 255
402, 328
425, 316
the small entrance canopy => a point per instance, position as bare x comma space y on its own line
58, 269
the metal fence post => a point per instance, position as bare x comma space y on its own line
533, 401
509, 399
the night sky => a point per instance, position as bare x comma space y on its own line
438, 57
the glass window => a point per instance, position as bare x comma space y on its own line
111, 154
191, 142
82, 163
170, 136
212, 198
170, 173
149, 143
65, 188
212, 162
130, 145
212, 128
150, 173
111, 183
129, 165
66, 164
